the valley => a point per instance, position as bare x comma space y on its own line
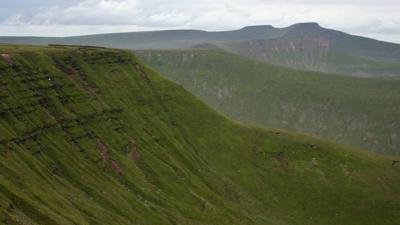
353, 111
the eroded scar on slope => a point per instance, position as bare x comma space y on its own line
7, 58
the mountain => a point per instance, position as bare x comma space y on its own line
355, 111
304, 46
92, 136
168, 39
311, 47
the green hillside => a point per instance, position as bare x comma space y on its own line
354, 111
91, 136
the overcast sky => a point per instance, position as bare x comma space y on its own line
378, 19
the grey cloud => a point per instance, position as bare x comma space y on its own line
367, 17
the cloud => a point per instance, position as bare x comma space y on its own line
103, 12
369, 17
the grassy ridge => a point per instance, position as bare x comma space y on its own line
91, 136
355, 111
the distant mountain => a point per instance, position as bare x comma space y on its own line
169, 39
93, 136
305, 46
310, 47
361, 112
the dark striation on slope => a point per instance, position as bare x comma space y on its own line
92, 136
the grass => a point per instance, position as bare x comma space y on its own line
354, 111
92, 136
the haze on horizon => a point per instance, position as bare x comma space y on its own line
370, 18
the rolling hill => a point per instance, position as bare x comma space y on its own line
356, 111
304, 46
92, 136
168, 39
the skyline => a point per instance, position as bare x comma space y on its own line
60, 18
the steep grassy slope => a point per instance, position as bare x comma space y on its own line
305, 46
90, 136
359, 112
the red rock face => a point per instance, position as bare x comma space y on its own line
8, 59
103, 152
299, 52
107, 160
135, 154
115, 167
141, 72
301, 44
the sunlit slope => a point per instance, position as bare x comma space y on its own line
91, 136
354, 111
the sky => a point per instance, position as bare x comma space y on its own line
379, 19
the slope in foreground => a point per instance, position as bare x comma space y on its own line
91, 136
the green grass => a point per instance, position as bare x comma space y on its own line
92, 136
353, 111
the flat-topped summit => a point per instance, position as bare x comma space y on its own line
306, 25
257, 27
